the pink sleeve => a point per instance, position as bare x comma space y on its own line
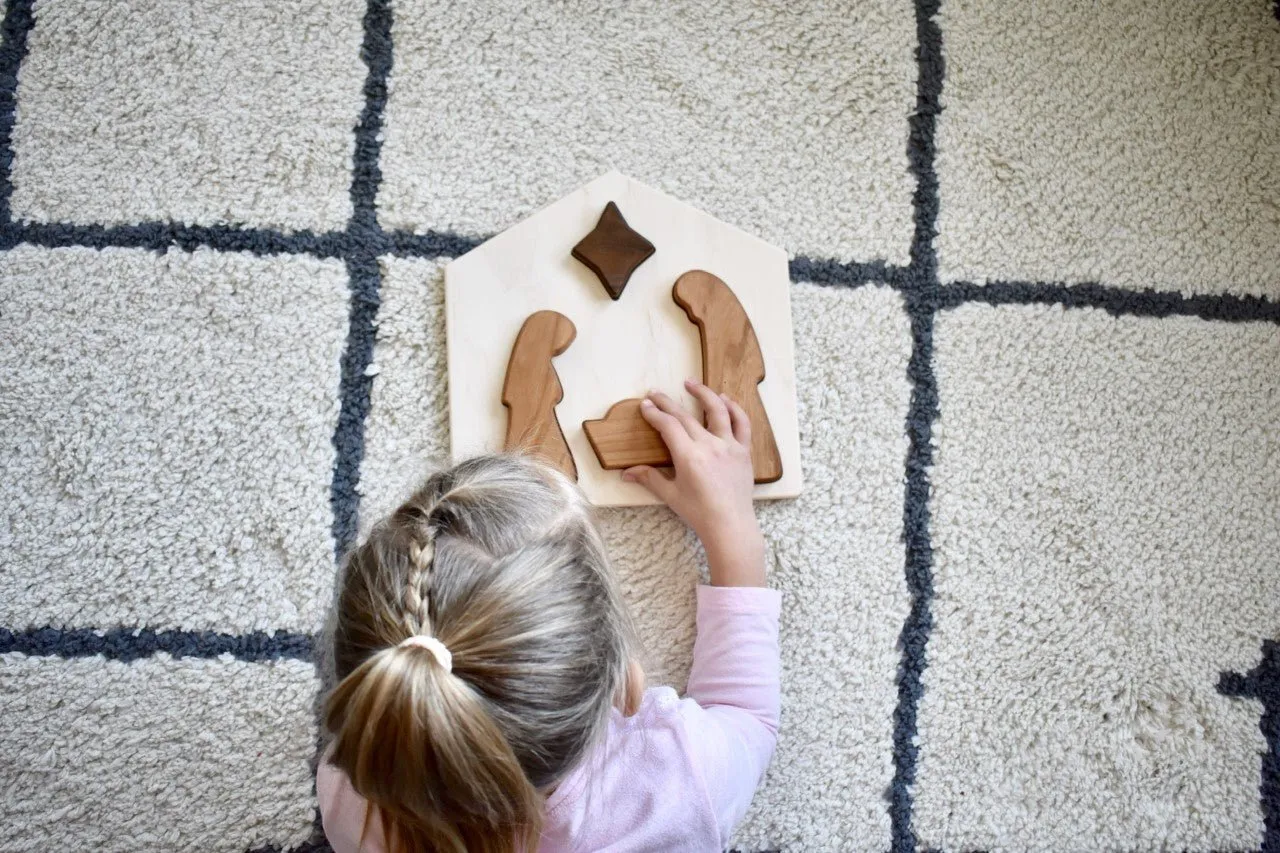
733, 721
342, 812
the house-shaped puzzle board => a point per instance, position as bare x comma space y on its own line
622, 348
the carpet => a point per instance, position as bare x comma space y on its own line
1032, 587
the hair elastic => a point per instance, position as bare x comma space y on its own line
433, 645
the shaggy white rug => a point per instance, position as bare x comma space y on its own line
1032, 589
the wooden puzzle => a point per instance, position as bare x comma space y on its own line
542, 358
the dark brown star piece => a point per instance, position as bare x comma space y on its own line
613, 250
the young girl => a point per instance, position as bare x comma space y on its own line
490, 695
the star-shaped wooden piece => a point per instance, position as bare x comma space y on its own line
613, 250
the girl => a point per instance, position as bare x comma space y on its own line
490, 696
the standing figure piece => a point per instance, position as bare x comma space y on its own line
532, 389
732, 363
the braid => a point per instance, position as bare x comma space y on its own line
421, 514
417, 588
418, 519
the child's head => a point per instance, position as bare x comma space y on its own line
499, 560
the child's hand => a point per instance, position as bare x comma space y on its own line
713, 481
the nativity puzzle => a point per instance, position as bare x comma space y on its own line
558, 326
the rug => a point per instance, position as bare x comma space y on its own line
1032, 586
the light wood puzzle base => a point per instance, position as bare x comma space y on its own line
622, 349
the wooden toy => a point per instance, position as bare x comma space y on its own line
620, 349
732, 363
532, 390
613, 250
623, 438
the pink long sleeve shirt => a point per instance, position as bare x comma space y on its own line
677, 775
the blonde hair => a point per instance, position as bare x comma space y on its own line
499, 559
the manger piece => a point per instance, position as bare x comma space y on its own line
732, 363
623, 438
532, 389
613, 250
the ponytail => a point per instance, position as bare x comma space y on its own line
421, 746
480, 641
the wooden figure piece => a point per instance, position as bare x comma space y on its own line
613, 250
732, 363
532, 389
623, 438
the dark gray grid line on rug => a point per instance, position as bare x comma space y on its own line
364, 241
18, 20
1263, 683
128, 644
365, 278
922, 281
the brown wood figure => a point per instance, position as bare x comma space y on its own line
532, 389
732, 363
613, 250
623, 438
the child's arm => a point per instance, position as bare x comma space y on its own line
732, 722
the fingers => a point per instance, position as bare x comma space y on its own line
718, 423
738, 417
682, 415
673, 432
659, 484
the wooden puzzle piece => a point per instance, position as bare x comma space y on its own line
623, 438
532, 389
732, 363
613, 250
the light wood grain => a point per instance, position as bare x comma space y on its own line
623, 438
532, 389
732, 363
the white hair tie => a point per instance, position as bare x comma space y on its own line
433, 645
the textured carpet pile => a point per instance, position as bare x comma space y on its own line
1033, 584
